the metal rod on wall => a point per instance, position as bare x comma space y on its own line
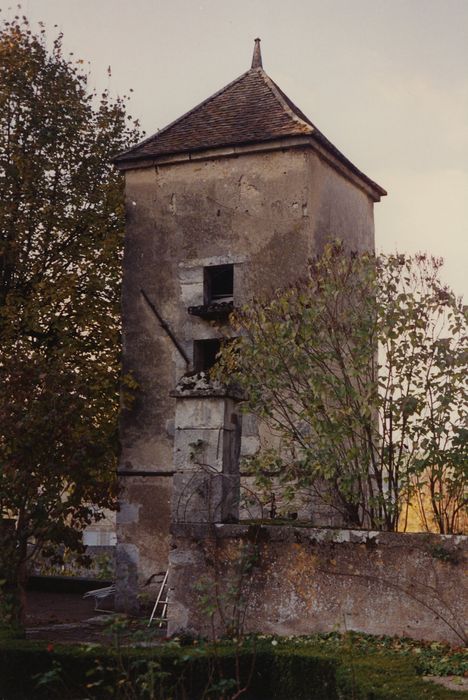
166, 327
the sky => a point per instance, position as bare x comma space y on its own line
385, 80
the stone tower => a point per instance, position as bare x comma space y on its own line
229, 200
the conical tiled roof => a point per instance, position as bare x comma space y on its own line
251, 109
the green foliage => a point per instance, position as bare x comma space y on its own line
325, 667
61, 231
64, 563
444, 554
360, 371
430, 658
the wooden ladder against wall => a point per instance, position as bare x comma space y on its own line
162, 601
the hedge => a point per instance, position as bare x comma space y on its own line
184, 673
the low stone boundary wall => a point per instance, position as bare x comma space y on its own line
290, 580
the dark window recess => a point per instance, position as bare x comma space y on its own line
218, 294
219, 283
204, 354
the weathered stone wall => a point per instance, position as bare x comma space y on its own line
205, 487
266, 213
305, 580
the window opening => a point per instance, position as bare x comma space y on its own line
219, 283
204, 354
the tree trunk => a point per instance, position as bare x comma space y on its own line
17, 583
21, 584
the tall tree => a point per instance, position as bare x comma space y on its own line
360, 370
61, 230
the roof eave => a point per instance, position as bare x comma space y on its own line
347, 167
321, 145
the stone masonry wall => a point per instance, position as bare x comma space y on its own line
306, 580
266, 213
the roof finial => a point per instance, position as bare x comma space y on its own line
257, 55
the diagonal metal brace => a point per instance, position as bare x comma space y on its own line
166, 327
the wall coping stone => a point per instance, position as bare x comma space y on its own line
315, 535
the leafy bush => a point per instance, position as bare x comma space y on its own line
323, 667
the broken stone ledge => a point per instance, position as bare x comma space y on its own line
200, 384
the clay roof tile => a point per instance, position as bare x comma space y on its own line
247, 110
251, 109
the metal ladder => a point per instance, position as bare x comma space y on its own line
161, 600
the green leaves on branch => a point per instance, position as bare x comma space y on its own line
360, 372
61, 232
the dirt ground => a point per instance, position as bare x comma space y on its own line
64, 618
57, 608
68, 618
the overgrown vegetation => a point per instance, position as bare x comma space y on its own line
360, 371
326, 667
61, 231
